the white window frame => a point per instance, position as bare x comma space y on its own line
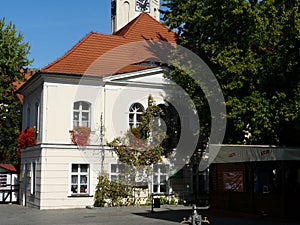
117, 174
37, 119
33, 178
28, 116
79, 122
134, 110
160, 178
79, 185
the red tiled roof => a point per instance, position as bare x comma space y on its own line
132, 68
146, 27
9, 167
99, 54
18, 84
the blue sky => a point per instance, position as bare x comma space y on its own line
53, 27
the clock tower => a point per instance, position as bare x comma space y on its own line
123, 11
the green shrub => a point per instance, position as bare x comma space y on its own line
111, 193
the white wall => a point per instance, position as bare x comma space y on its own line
118, 102
53, 175
113, 101
58, 110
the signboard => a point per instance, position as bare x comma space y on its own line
233, 181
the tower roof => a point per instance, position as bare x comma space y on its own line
147, 28
81, 58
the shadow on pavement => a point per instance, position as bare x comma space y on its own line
170, 214
216, 217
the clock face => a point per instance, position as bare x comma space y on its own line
142, 6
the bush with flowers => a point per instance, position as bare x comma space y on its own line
80, 135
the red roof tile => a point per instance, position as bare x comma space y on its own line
101, 54
18, 84
132, 68
9, 167
145, 27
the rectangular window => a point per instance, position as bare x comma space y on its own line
28, 122
199, 180
3, 180
33, 178
82, 114
37, 120
79, 179
160, 178
117, 172
268, 179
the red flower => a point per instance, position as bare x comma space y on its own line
30, 137
26, 138
80, 135
22, 140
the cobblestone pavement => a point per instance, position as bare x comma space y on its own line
17, 215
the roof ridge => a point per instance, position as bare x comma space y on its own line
131, 24
163, 25
69, 51
135, 21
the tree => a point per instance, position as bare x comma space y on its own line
143, 145
13, 61
253, 49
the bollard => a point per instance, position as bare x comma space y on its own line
195, 218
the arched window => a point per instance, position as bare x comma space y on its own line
28, 119
82, 114
135, 115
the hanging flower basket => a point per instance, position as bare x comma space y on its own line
80, 136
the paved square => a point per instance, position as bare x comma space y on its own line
16, 215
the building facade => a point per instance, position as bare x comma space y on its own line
57, 173
93, 86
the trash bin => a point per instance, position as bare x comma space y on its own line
156, 203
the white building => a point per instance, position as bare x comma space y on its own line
9, 184
89, 86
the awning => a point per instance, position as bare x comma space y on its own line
252, 153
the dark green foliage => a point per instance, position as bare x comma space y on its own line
253, 49
13, 60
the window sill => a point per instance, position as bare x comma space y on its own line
79, 195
